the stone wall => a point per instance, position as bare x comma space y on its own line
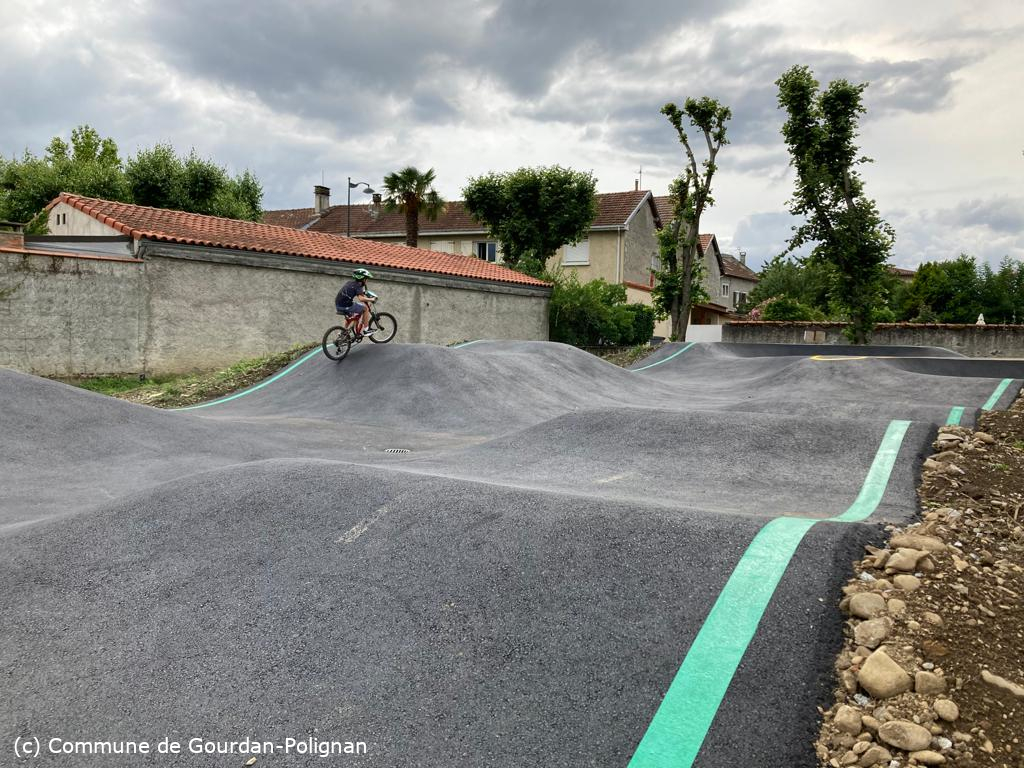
969, 340
65, 315
184, 308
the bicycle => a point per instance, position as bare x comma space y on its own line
339, 338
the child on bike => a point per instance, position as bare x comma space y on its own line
353, 300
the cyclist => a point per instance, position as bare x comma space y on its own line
353, 299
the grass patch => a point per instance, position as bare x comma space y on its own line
625, 357
175, 391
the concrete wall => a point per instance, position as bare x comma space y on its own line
63, 315
970, 340
185, 308
704, 333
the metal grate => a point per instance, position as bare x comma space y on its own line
396, 450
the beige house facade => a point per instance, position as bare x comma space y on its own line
621, 246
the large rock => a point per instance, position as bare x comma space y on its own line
929, 684
904, 559
946, 710
906, 582
905, 735
874, 756
917, 541
872, 633
1001, 682
882, 677
927, 757
848, 720
867, 605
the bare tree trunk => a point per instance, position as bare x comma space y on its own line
687, 253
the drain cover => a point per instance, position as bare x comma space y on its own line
396, 450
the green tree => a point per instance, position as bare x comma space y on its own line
88, 166
91, 166
691, 196
412, 193
843, 224
533, 211
666, 285
158, 177
805, 282
947, 290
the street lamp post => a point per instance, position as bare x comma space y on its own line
348, 208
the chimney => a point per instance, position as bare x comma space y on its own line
743, 258
321, 199
636, 185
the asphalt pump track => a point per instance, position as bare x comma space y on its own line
502, 554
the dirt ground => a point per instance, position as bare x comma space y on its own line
945, 602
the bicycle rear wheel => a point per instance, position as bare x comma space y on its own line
384, 328
337, 342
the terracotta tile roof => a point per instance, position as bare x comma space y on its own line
454, 219
193, 229
664, 205
613, 209
733, 267
296, 218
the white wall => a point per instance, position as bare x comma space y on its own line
704, 332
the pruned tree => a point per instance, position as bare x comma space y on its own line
533, 211
841, 222
412, 193
691, 196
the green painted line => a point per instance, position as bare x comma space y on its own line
955, 414
991, 402
250, 390
674, 354
681, 723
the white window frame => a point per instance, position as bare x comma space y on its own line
738, 298
725, 289
488, 243
576, 255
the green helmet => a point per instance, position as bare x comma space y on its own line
361, 274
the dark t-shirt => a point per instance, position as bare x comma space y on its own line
348, 292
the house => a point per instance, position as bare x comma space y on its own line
153, 290
727, 279
621, 246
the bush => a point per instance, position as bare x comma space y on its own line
596, 313
642, 326
785, 308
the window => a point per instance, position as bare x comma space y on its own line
577, 255
444, 246
739, 298
725, 289
486, 250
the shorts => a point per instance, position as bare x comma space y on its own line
356, 309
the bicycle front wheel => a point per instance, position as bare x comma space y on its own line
384, 328
337, 342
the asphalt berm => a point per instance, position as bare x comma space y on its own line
567, 564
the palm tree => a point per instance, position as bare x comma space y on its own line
411, 192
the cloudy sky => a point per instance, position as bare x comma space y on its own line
293, 90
